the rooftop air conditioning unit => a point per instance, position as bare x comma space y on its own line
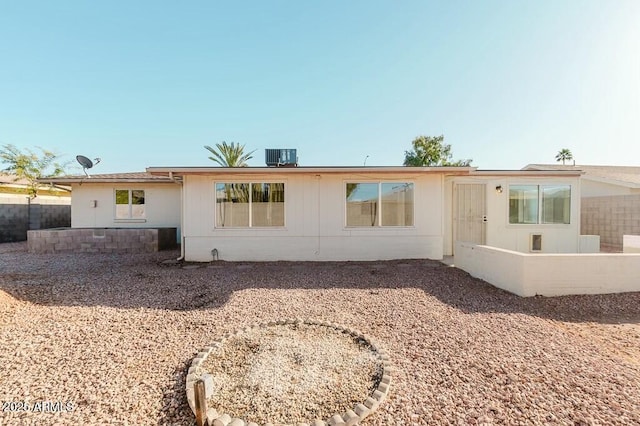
281, 157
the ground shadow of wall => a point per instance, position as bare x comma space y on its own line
156, 281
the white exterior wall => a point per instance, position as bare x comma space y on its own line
551, 274
162, 206
556, 238
314, 221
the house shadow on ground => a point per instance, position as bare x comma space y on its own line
157, 281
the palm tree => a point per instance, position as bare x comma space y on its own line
563, 155
229, 155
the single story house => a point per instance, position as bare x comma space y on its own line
336, 213
610, 204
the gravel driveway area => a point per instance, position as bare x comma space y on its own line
107, 339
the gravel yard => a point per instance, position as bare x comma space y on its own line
107, 339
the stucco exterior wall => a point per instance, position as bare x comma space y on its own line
315, 226
162, 206
556, 238
550, 274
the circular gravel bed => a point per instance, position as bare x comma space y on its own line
292, 372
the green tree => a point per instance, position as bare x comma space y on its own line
431, 151
30, 166
563, 155
229, 155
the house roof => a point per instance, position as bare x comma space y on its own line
12, 180
627, 176
179, 171
169, 174
133, 177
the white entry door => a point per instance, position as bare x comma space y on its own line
469, 213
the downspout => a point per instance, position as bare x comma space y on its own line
179, 182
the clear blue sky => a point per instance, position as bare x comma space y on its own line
148, 83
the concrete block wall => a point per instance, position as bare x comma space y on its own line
14, 219
18, 214
101, 240
611, 218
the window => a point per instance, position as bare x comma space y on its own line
130, 204
243, 205
533, 204
379, 204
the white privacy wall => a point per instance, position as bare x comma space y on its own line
551, 274
162, 206
556, 238
314, 221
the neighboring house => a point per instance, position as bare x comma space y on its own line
600, 181
19, 212
610, 201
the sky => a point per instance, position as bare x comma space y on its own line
149, 83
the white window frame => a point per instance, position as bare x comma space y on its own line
539, 213
129, 217
250, 226
379, 224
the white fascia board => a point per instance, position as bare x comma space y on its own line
164, 171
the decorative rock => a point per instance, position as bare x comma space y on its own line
336, 421
317, 422
223, 420
371, 403
212, 414
383, 387
208, 384
361, 410
350, 418
236, 422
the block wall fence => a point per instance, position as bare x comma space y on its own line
611, 218
19, 213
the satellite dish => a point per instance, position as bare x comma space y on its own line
86, 163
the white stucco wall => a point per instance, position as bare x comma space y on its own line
162, 206
314, 222
551, 274
557, 238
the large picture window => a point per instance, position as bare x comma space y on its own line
130, 204
379, 204
534, 204
243, 205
